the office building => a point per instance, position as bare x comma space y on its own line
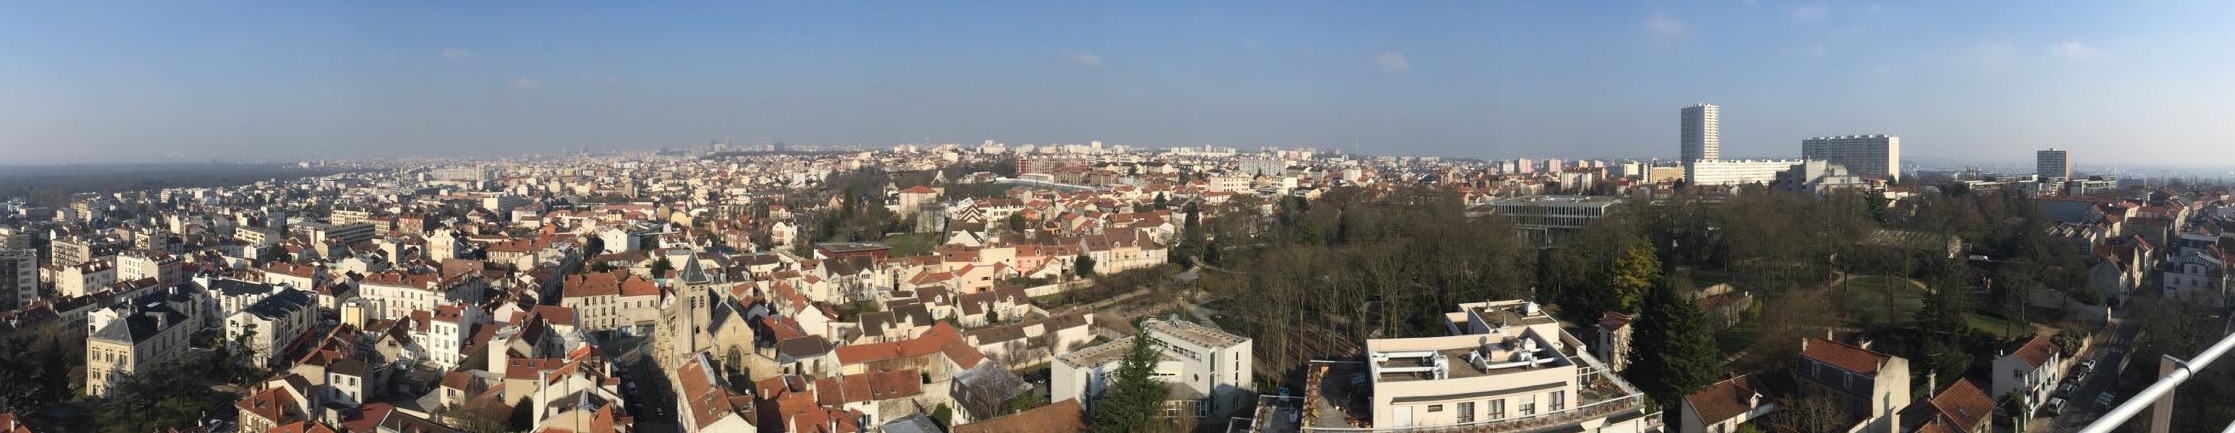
2053, 165
1870, 156
1701, 134
1736, 172
1542, 220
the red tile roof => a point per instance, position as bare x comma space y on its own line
1062, 417
1725, 400
2036, 351
1845, 356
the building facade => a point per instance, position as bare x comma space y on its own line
19, 278
1700, 133
1872, 156
1736, 172
2052, 165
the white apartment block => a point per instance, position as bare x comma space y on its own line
1505, 366
1872, 156
1736, 172
19, 278
1209, 366
272, 322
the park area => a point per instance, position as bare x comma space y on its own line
1880, 300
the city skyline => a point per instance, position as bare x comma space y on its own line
147, 81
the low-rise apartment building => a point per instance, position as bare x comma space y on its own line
1208, 369
1505, 365
134, 337
272, 322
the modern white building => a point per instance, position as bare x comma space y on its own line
272, 322
1505, 367
1872, 156
1541, 220
2031, 371
1701, 133
1207, 369
2053, 165
1736, 172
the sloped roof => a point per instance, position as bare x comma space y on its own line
1725, 400
1845, 356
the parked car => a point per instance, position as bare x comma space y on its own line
2055, 406
2087, 366
2067, 390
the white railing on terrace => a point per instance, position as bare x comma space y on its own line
2182, 370
1631, 398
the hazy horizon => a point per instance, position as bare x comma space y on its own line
145, 81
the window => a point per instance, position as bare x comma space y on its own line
1528, 405
1559, 401
1466, 412
1497, 409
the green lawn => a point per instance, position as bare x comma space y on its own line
912, 244
1738, 338
1867, 300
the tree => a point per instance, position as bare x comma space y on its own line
1633, 273
1135, 394
1161, 202
1083, 266
1015, 222
660, 267
1674, 348
1813, 414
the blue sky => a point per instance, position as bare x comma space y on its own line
1982, 81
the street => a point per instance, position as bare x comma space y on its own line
2081, 407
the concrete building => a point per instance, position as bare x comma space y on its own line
1871, 156
1543, 220
1700, 133
130, 338
1208, 369
19, 278
2052, 165
1736, 172
1505, 367
351, 233
272, 322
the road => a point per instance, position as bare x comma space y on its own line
2082, 408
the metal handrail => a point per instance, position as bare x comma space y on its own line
2182, 371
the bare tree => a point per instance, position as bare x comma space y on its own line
1814, 414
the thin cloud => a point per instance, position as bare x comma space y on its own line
1666, 25
1810, 12
523, 83
457, 53
1083, 59
2074, 50
1392, 63
1817, 51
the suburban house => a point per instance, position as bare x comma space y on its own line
1722, 407
1873, 386
2031, 370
